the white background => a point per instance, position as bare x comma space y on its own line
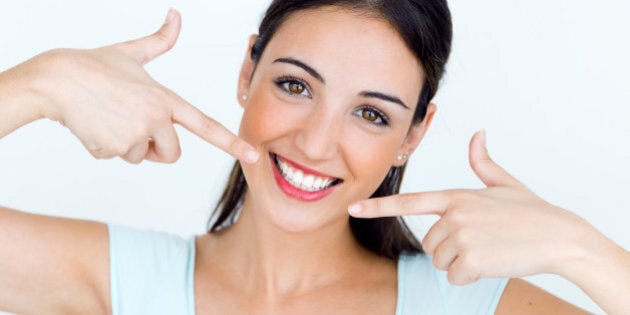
546, 78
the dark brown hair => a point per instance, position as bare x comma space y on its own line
425, 26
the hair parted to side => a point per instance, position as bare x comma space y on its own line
425, 26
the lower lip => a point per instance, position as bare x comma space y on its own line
295, 192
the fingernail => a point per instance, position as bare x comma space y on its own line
251, 156
483, 137
169, 16
355, 209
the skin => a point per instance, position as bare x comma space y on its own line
302, 251
285, 256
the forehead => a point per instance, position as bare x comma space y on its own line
351, 47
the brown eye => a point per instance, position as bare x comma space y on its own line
372, 115
293, 87
369, 115
296, 87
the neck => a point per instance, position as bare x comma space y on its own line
276, 262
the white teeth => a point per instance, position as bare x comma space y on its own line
305, 182
308, 182
318, 183
298, 177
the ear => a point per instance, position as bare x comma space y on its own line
245, 76
415, 135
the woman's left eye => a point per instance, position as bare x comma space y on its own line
372, 115
293, 86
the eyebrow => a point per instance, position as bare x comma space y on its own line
384, 97
316, 75
302, 65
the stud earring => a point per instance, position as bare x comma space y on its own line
244, 97
402, 157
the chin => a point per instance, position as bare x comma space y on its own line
304, 220
293, 216
294, 198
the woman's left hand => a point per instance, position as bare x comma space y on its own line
504, 230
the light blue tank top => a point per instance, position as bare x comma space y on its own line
152, 273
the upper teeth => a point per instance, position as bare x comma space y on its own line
305, 182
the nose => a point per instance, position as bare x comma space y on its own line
319, 135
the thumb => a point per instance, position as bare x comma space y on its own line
149, 47
489, 172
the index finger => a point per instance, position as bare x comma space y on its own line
432, 202
213, 132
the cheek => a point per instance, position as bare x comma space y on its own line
370, 158
258, 122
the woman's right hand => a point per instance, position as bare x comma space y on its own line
107, 99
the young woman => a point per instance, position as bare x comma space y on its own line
336, 96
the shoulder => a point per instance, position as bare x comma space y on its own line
125, 240
522, 297
423, 288
52, 265
150, 271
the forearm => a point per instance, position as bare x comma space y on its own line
19, 103
602, 271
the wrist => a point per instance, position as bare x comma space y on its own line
19, 95
588, 252
600, 269
41, 87
19, 104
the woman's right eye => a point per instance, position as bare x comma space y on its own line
293, 87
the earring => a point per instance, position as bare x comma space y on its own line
402, 157
244, 97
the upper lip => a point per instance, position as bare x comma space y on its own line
305, 169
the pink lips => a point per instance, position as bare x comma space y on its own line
295, 192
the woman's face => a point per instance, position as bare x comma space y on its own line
329, 107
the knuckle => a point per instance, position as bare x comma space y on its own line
102, 155
163, 37
467, 262
478, 167
456, 217
453, 277
440, 262
385, 206
159, 92
156, 115
133, 160
428, 244
405, 203
235, 145
138, 133
96, 155
437, 263
56, 55
119, 149
428, 247
464, 196
209, 126
461, 237
376, 203
172, 156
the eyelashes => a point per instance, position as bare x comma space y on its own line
373, 115
293, 86
296, 87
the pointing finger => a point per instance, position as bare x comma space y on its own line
435, 202
213, 132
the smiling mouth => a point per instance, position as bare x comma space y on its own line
303, 179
